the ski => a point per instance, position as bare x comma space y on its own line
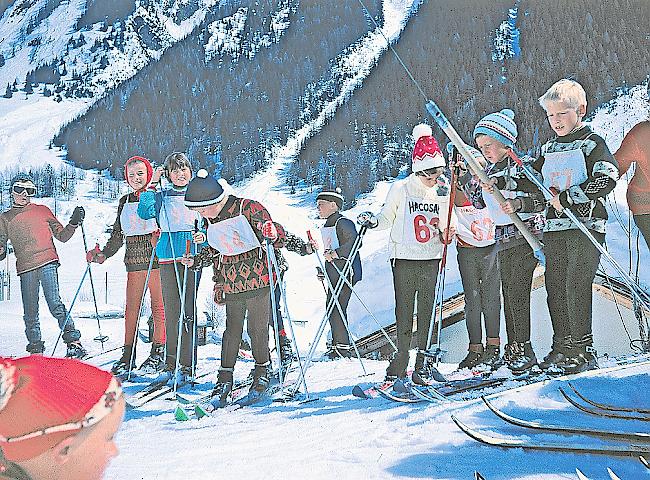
99, 354
645, 462
603, 406
581, 476
401, 392
614, 435
602, 413
612, 475
429, 394
154, 391
371, 392
532, 444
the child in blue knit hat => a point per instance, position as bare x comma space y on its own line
495, 134
580, 171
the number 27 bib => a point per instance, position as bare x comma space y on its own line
421, 221
232, 236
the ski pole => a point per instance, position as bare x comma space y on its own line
283, 293
440, 284
449, 130
181, 319
137, 320
340, 309
638, 292
195, 310
67, 317
100, 338
383, 330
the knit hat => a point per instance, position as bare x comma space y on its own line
332, 196
147, 165
203, 190
426, 153
23, 180
44, 400
500, 125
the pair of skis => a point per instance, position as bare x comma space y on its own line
155, 390
637, 443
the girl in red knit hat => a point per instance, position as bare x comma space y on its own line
58, 418
140, 238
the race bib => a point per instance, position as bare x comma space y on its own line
494, 208
330, 239
474, 226
175, 216
232, 236
562, 170
421, 221
132, 224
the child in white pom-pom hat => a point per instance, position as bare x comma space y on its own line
416, 211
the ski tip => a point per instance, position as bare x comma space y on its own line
358, 392
644, 461
200, 412
581, 476
612, 475
180, 415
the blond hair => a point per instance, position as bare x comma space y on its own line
568, 92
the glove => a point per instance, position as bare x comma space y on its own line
269, 231
78, 215
219, 295
95, 255
320, 274
367, 219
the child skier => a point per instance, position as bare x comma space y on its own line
237, 230
636, 148
176, 224
339, 235
416, 212
495, 134
579, 169
138, 235
478, 265
58, 419
31, 229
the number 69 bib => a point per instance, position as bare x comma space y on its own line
232, 236
421, 221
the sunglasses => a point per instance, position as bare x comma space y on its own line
19, 189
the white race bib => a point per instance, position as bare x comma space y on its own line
421, 221
330, 239
562, 170
175, 216
475, 227
232, 236
494, 208
132, 224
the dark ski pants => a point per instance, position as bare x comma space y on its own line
30, 282
571, 264
172, 304
338, 322
258, 307
479, 273
643, 223
516, 266
412, 278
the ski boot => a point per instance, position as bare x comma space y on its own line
75, 350
579, 360
525, 358
221, 390
424, 373
509, 352
36, 348
558, 354
261, 379
491, 357
125, 364
473, 358
156, 360
286, 351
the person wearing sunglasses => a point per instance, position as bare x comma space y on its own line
416, 211
31, 228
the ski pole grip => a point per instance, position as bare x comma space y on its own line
309, 237
187, 246
196, 226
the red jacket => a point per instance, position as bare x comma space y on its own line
31, 230
636, 148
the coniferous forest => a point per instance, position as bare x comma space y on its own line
226, 112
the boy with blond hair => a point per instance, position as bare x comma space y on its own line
580, 171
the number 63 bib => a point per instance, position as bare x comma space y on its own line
421, 221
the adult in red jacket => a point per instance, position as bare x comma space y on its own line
31, 228
636, 148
